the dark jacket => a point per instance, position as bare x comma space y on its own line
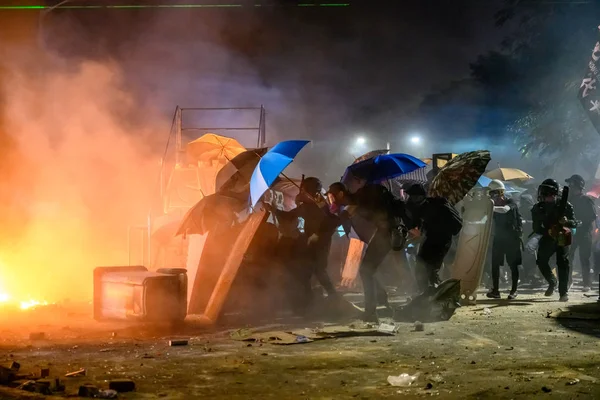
546, 215
585, 209
436, 217
317, 220
509, 224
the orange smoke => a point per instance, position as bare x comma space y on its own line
75, 174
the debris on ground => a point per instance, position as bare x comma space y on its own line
402, 380
122, 385
178, 342
108, 394
419, 326
387, 328
567, 314
88, 390
309, 335
79, 372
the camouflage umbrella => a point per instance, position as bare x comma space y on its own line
455, 179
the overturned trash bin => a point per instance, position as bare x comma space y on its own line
134, 293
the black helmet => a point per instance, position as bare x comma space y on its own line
576, 180
548, 188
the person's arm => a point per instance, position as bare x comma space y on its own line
537, 218
569, 220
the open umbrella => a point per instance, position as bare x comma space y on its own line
271, 165
370, 154
211, 210
455, 179
210, 147
382, 167
235, 176
508, 174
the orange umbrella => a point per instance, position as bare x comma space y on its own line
210, 147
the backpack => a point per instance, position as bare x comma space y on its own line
374, 197
444, 217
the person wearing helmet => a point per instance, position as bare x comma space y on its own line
438, 221
508, 229
546, 215
584, 208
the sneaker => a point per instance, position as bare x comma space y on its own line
564, 298
550, 290
493, 294
512, 295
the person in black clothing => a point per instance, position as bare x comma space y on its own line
438, 221
530, 269
311, 251
507, 239
546, 215
584, 208
374, 205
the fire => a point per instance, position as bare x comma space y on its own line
7, 299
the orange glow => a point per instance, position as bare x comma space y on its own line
78, 163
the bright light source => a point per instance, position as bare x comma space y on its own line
415, 140
361, 140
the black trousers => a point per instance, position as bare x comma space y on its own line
377, 250
583, 243
546, 250
430, 258
506, 248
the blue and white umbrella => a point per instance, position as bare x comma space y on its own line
271, 165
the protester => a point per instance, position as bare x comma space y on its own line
438, 222
549, 221
530, 270
375, 205
311, 252
507, 239
584, 208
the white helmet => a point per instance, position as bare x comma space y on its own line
495, 184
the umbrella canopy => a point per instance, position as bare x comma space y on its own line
235, 176
459, 175
208, 212
371, 154
271, 165
211, 147
508, 174
382, 167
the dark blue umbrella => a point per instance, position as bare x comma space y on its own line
382, 167
271, 165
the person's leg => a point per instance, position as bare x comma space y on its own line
320, 269
571, 256
376, 252
585, 253
546, 249
562, 262
497, 260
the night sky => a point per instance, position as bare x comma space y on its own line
328, 74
